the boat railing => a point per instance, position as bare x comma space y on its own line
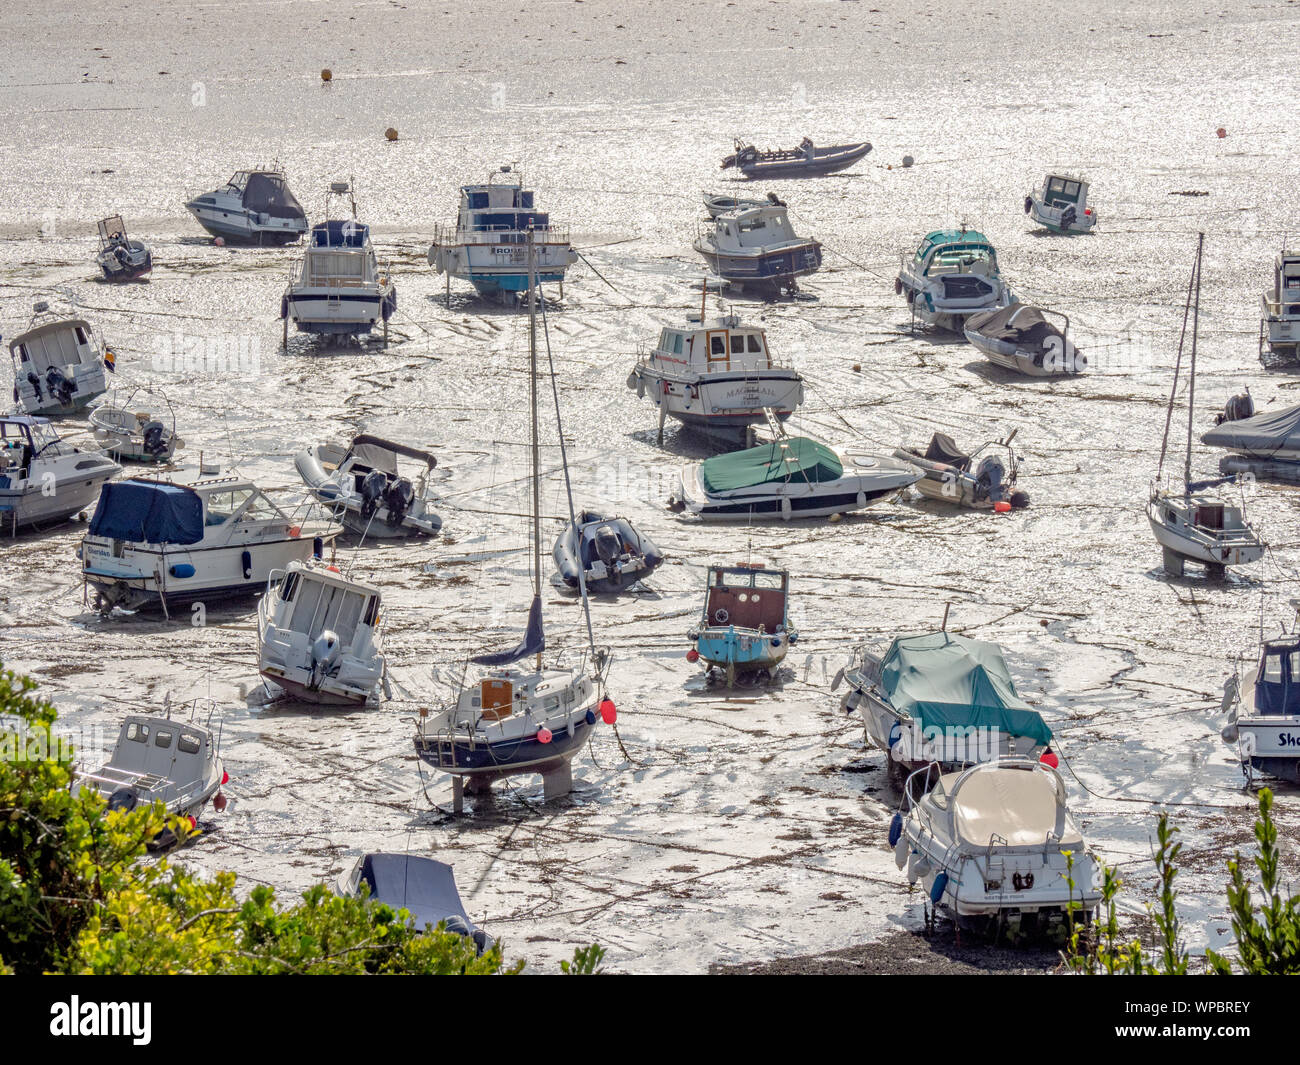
452, 234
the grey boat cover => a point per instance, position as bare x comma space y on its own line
425, 887
268, 194
1261, 436
1031, 329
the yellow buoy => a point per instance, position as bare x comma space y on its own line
326, 74
390, 133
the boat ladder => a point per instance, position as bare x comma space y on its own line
995, 866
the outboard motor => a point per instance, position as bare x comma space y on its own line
35, 382
989, 477
775, 200
372, 493
60, 387
1236, 408
1068, 217
154, 443
326, 655
399, 497
122, 799
609, 546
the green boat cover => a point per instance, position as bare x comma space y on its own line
792, 459
947, 680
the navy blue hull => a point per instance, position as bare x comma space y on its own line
509, 756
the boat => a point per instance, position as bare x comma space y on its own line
718, 204
254, 207
717, 376
370, 489
952, 476
1262, 707
604, 553
1279, 323
940, 697
1061, 204
155, 542
1264, 445
807, 160
514, 718
423, 887
791, 477
953, 275
487, 245
1197, 523
131, 434
339, 288
1022, 338
989, 845
120, 257
744, 630
318, 635
44, 480
59, 365
758, 247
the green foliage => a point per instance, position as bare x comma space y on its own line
586, 962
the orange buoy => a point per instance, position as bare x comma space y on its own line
1220, 133
390, 133
326, 74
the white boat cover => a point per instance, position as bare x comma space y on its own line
1018, 805
1262, 436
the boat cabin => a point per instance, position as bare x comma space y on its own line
163, 512
1062, 191
22, 438
59, 344
1277, 684
757, 227
367, 453
324, 601
502, 207
1286, 285
154, 758
264, 192
112, 233
715, 346
955, 251
746, 597
339, 255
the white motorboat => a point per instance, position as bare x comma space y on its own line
718, 376
718, 204
1265, 445
339, 288
791, 477
953, 275
120, 257
43, 480
1279, 324
758, 246
488, 244
983, 480
253, 207
59, 365
318, 635
1262, 705
1060, 204
1021, 338
164, 543
989, 844
132, 434
370, 490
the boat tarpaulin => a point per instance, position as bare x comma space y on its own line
1261, 436
268, 194
1030, 328
947, 680
148, 512
425, 887
534, 641
789, 459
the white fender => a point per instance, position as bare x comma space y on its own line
918, 867
786, 508
901, 850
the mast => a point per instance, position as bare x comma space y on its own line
1191, 375
532, 408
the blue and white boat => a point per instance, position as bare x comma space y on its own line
953, 275
488, 245
757, 246
1263, 707
745, 628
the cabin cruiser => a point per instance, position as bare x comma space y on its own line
604, 553
1279, 325
120, 257
1263, 710
1265, 445
318, 635
59, 366
989, 845
717, 376
162, 543
130, 434
44, 480
952, 476
339, 288
253, 207
486, 246
807, 160
791, 477
1023, 339
940, 697
1061, 204
371, 492
953, 275
745, 629
758, 246
423, 887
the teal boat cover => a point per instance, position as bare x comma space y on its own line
790, 459
947, 680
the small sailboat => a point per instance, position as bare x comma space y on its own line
1197, 524
120, 257
952, 476
604, 553
43, 480
953, 275
1060, 204
758, 246
374, 493
511, 718
253, 207
807, 160
424, 887
1279, 323
745, 629
59, 365
132, 434
1262, 705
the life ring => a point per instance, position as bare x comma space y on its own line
1029, 204
722, 615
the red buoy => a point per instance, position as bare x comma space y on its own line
1221, 133
543, 735
219, 802
692, 655
607, 712
1050, 759
1002, 507
225, 776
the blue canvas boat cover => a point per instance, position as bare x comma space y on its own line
947, 680
148, 512
340, 233
425, 887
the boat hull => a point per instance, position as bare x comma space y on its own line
741, 650
833, 161
1179, 547
769, 268
485, 762
333, 314
25, 507
237, 227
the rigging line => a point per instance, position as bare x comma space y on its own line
598, 274
1178, 362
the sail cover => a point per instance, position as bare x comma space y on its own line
533, 643
268, 194
794, 459
1262, 436
148, 512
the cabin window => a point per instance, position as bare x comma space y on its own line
288, 587
137, 733
188, 744
372, 611
1272, 669
22, 353
677, 343
737, 344
1293, 665
81, 335
754, 346
717, 346
763, 579
663, 341
222, 505
260, 509
323, 606
162, 738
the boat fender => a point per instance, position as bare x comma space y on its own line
590, 718
900, 852
1029, 204
939, 886
918, 867
284, 306
317, 548
895, 829
1230, 732
862, 499
776, 641
633, 380
898, 286
1019, 500
786, 508
246, 561
181, 569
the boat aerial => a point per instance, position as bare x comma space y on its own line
604, 553
339, 289
717, 203
953, 275
1061, 204
940, 697
791, 477
1279, 323
744, 630
757, 246
423, 887
718, 376
43, 480
1021, 338
162, 543
130, 434
988, 844
253, 207
1197, 524
486, 246
952, 476
370, 489
120, 257
807, 160
1264, 445
59, 366
318, 635
1263, 709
